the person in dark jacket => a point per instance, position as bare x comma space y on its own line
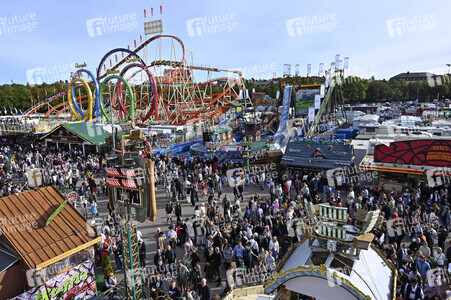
157, 257
205, 293
170, 255
194, 258
174, 291
413, 291
178, 212
217, 260
142, 253
117, 250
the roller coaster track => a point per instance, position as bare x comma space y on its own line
176, 115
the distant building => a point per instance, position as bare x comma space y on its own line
181, 76
264, 82
414, 76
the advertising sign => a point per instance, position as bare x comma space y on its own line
79, 281
305, 98
435, 153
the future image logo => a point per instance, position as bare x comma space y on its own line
49, 74
108, 25
234, 177
19, 23
263, 71
347, 175
438, 176
214, 24
311, 24
408, 25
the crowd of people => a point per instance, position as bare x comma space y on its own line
233, 241
229, 240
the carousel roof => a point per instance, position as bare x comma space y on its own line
335, 257
320, 274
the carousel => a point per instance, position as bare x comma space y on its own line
334, 258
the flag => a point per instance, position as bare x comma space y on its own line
97, 70
346, 63
135, 43
128, 47
321, 69
161, 9
111, 64
31, 99
122, 54
54, 90
145, 13
45, 90
115, 56
38, 95
151, 11
104, 67
61, 84
16, 110
140, 38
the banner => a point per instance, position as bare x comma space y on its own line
436, 153
286, 69
332, 69
240, 96
317, 101
309, 69
321, 69
311, 114
346, 63
79, 281
296, 69
322, 91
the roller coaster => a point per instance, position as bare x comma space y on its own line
163, 91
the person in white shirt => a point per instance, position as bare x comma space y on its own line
439, 258
274, 247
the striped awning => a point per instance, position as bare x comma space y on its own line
129, 183
113, 182
128, 172
112, 171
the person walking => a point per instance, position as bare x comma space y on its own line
169, 210
142, 253
117, 250
205, 292
178, 212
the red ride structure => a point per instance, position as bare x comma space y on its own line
165, 89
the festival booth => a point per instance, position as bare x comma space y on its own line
79, 134
318, 156
49, 246
410, 160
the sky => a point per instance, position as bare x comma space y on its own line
42, 40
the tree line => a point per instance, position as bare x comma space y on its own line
355, 89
